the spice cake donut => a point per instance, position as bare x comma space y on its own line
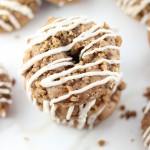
5, 92
137, 9
72, 70
146, 127
14, 14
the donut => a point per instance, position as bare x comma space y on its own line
71, 70
5, 92
137, 9
61, 2
146, 126
14, 14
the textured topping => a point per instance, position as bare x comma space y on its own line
11, 10
5, 92
72, 61
138, 9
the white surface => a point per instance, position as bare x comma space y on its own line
24, 120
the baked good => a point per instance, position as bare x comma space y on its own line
61, 2
16, 13
146, 126
5, 92
72, 70
138, 9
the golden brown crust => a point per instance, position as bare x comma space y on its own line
22, 19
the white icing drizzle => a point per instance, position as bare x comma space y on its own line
54, 65
83, 113
12, 19
66, 24
93, 117
7, 84
92, 85
4, 91
69, 113
100, 50
133, 9
2, 114
15, 6
4, 88
146, 135
53, 111
5, 100
46, 106
49, 81
5, 26
147, 108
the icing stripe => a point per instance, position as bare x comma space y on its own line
146, 135
133, 9
69, 113
45, 81
84, 113
16, 6
4, 91
48, 83
5, 26
7, 84
39, 57
98, 83
5, 100
93, 117
12, 19
108, 47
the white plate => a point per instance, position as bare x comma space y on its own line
25, 121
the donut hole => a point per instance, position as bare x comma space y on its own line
75, 54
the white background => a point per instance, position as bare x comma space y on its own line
24, 119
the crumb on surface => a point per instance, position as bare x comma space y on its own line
13, 82
102, 143
129, 114
122, 108
17, 36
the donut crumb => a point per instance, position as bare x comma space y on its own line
122, 108
129, 114
102, 143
